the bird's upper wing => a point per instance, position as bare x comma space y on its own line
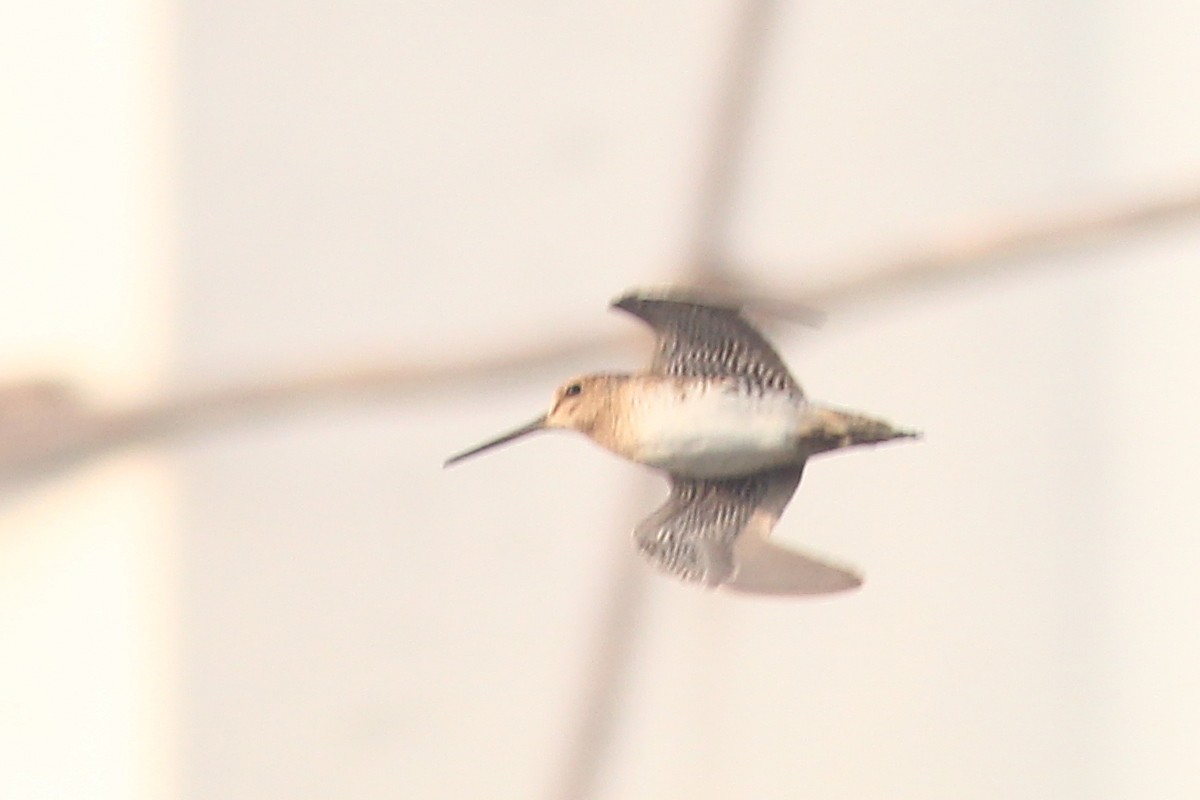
716, 532
698, 339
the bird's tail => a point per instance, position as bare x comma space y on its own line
825, 428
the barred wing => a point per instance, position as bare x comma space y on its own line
699, 340
716, 532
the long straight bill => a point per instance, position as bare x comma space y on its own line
530, 427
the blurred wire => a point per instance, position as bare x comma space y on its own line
708, 260
609, 663
44, 429
706, 268
1000, 246
46, 426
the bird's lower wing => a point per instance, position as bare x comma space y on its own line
716, 532
766, 568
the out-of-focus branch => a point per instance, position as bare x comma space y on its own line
708, 263
997, 246
610, 657
42, 429
46, 426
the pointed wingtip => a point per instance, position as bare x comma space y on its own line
675, 294
767, 568
728, 299
624, 301
633, 298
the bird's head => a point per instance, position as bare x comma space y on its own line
580, 404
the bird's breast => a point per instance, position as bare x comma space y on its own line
707, 430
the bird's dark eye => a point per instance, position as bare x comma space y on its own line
572, 390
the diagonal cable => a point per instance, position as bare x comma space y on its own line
66, 433
615, 645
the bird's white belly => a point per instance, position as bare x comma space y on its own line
716, 432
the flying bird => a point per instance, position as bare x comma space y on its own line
719, 413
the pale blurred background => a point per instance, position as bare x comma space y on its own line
207, 194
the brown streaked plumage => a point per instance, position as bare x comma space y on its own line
719, 412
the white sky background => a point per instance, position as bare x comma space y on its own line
87, 609
296, 184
